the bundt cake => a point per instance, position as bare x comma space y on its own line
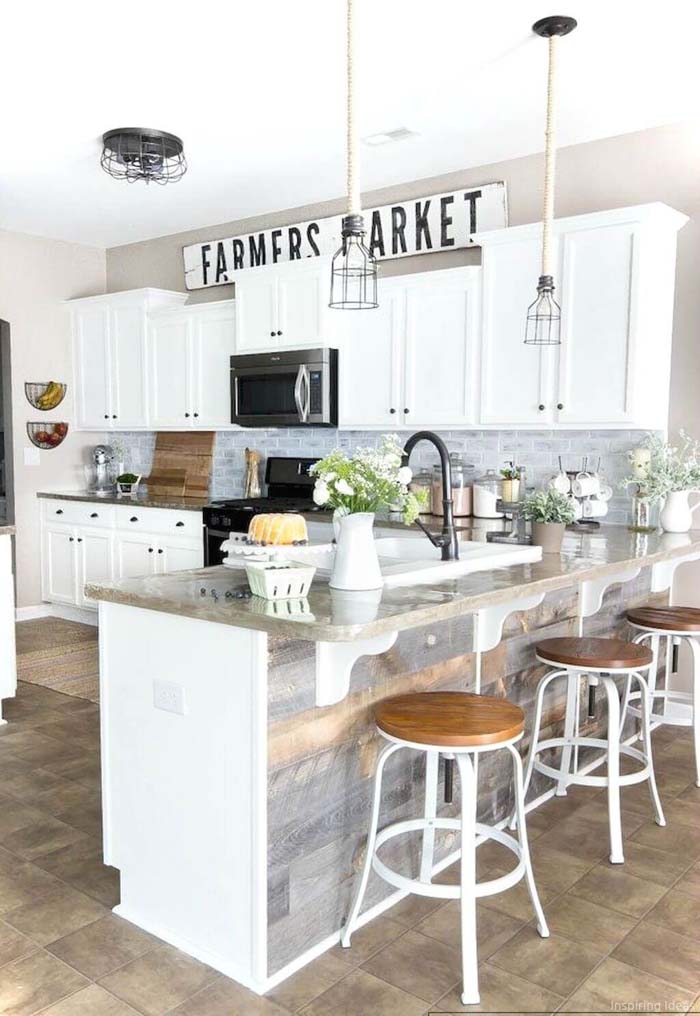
278, 529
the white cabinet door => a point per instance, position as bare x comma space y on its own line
180, 555
128, 342
135, 554
369, 362
171, 371
59, 564
213, 344
440, 350
256, 312
92, 367
95, 561
595, 354
515, 379
302, 305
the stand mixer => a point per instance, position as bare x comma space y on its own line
102, 457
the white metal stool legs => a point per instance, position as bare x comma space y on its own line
522, 839
534, 737
614, 813
646, 704
570, 725
432, 763
386, 752
470, 966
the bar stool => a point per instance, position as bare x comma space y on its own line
676, 624
599, 660
461, 726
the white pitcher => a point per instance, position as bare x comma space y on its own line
676, 514
356, 565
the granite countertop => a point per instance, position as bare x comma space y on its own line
329, 615
6, 530
143, 500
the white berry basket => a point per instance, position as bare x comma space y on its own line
279, 580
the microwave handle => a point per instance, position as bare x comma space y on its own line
302, 382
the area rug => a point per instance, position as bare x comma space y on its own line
59, 654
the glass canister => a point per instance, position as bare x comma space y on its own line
487, 491
422, 486
462, 481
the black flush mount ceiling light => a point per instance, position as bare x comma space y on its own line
543, 325
354, 270
138, 153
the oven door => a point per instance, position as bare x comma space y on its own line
213, 554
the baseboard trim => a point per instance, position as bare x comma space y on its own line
63, 610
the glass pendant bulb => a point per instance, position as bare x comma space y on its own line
543, 324
354, 270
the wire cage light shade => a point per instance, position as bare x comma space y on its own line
353, 270
543, 324
138, 153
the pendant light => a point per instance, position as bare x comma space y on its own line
354, 270
543, 323
138, 153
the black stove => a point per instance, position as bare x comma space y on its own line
290, 489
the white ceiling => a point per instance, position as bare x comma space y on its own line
256, 90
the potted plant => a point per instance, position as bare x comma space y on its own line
128, 484
355, 487
550, 513
669, 474
511, 482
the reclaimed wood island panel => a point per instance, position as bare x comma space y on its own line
236, 809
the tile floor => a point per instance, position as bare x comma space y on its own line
623, 938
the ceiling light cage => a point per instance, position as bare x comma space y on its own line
353, 270
137, 153
543, 323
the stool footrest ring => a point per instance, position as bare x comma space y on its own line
626, 779
437, 890
669, 695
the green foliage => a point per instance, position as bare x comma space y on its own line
128, 478
548, 506
672, 468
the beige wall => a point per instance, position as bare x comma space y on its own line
36, 276
655, 165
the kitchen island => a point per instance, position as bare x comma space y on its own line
238, 743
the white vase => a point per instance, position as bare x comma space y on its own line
676, 514
356, 565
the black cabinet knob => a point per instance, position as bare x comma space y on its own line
392, 411
187, 414
59, 511
560, 405
279, 333
195, 414
160, 550
150, 550
178, 524
134, 518
94, 515
272, 335
70, 539
407, 410
541, 407
106, 416
80, 539
114, 416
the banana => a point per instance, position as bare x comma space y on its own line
51, 396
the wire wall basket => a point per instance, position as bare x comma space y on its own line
46, 435
45, 395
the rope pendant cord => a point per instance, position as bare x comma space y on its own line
550, 156
354, 206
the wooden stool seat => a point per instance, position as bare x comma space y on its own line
666, 618
596, 653
451, 719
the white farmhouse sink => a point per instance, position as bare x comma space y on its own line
408, 561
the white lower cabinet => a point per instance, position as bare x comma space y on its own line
117, 543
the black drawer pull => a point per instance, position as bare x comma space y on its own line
178, 524
134, 518
94, 515
59, 511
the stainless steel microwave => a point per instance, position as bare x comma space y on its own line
288, 388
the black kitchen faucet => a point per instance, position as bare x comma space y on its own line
447, 539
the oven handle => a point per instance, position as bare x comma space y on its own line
302, 382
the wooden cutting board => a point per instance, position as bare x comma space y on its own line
167, 481
190, 450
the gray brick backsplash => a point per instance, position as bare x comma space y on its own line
535, 450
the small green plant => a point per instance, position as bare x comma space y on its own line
511, 472
128, 478
548, 506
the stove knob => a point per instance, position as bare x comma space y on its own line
214, 521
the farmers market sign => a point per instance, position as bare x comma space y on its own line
419, 226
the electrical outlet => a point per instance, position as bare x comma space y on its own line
169, 696
31, 456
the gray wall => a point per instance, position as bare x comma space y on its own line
654, 165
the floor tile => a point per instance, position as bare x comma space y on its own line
310, 982
690, 882
664, 953
610, 886
13, 944
502, 993
41, 837
555, 963
15, 815
26, 782
653, 865
614, 984
684, 811
83, 770
22, 882
226, 998
55, 915
90, 1001
158, 981
555, 870
102, 946
516, 902
30, 984
413, 909
368, 940
81, 865
677, 912
587, 922
420, 965
362, 994
493, 928
581, 839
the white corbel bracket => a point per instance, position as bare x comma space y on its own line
335, 660
489, 621
662, 573
592, 591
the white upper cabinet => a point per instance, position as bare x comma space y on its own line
412, 361
283, 305
614, 273
110, 358
190, 351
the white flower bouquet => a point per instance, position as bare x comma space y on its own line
671, 468
369, 480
